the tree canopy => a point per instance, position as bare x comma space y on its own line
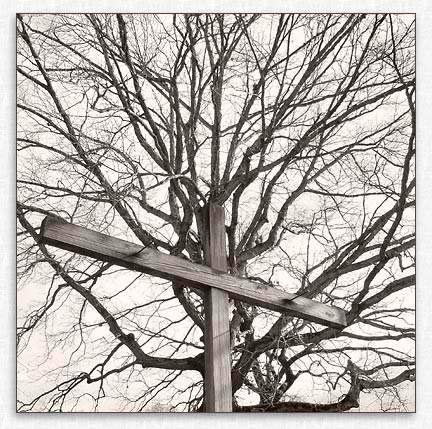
301, 125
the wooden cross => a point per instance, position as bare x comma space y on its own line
213, 279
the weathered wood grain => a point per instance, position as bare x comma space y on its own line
217, 381
100, 246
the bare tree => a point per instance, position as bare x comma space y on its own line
302, 126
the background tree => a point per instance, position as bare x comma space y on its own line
302, 126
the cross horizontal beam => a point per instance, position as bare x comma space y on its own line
132, 256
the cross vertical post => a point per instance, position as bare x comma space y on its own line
217, 380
